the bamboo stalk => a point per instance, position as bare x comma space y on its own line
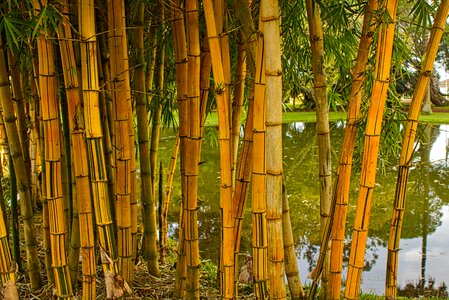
270, 17
192, 155
371, 150
258, 200
96, 159
322, 125
23, 185
84, 225
121, 97
408, 148
169, 185
149, 242
291, 263
179, 43
221, 95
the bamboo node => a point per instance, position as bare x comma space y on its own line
269, 18
275, 173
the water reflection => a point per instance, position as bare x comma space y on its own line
426, 225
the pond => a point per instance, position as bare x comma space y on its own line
424, 243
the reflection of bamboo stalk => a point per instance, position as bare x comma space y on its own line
408, 148
371, 150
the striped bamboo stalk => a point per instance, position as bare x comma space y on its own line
371, 150
322, 124
270, 16
192, 155
221, 96
23, 185
94, 135
121, 98
52, 139
180, 47
408, 148
79, 151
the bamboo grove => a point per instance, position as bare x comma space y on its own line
85, 93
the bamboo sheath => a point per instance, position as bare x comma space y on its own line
270, 17
180, 48
408, 148
193, 141
93, 132
53, 190
6, 263
79, 152
121, 98
258, 177
371, 150
227, 222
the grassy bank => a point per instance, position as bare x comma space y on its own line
310, 116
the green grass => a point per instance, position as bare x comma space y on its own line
310, 116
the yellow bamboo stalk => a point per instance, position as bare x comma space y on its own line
180, 47
169, 185
121, 97
96, 159
371, 150
270, 17
258, 178
408, 148
192, 151
52, 139
221, 95
80, 157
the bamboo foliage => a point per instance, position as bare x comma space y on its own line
408, 148
53, 168
371, 150
96, 159
221, 95
23, 185
79, 152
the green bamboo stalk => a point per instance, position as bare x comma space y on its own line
23, 185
